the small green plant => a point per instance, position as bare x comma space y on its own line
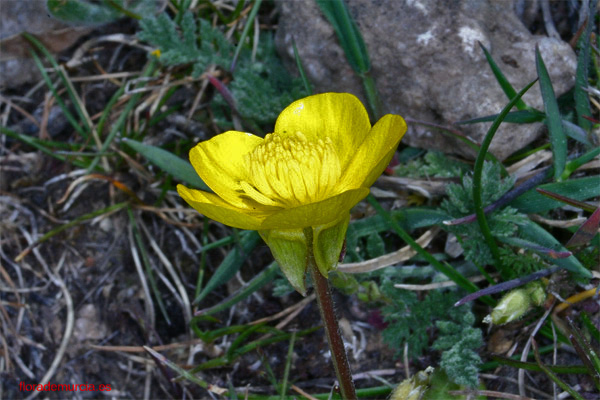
260, 88
413, 321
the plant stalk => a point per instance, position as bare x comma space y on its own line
330, 323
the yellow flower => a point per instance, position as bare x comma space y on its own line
317, 164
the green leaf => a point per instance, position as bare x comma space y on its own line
581, 96
504, 83
553, 118
82, 11
231, 264
515, 117
534, 233
264, 277
348, 34
579, 189
575, 132
168, 162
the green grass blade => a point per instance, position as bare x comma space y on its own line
179, 168
558, 138
81, 11
354, 47
552, 375
176, 368
247, 27
575, 132
288, 364
478, 171
70, 91
573, 165
348, 34
147, 265
445, 268
42, 145
581, 97
578, 189
529, 366
260, 280
120, 122
504, 83
534, 233
301, 69
515, 117
75, 222
231, 264
65, 110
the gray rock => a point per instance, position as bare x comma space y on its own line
427, 63
18, 16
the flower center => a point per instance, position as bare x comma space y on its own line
291, 171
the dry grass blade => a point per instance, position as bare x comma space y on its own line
185, 301
404, 254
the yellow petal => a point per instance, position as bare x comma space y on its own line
339, 116
220, 163
215, 208
319, 213
375, 153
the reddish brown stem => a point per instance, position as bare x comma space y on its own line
330, 323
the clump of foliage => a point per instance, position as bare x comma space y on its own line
458, 340
260, 88
503, 222
413, 321
432, 164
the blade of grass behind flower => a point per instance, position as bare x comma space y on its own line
76, 221
574, 164
354, 47
586, 231
577, 189
301, 68
502, 81
515, 117
288, 364
65, 110
478, 172
445, 268
454, 133
44, 146
581, 97
532, 232
124, 114
86, 129
159, 358
553, 119
551, 374
585, 351
77, 11
260, 280
168, 162
249, 23
348, 34
147, 265
231, 264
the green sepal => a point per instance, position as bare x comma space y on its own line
328, 241
290, 251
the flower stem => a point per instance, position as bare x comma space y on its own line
330, 323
